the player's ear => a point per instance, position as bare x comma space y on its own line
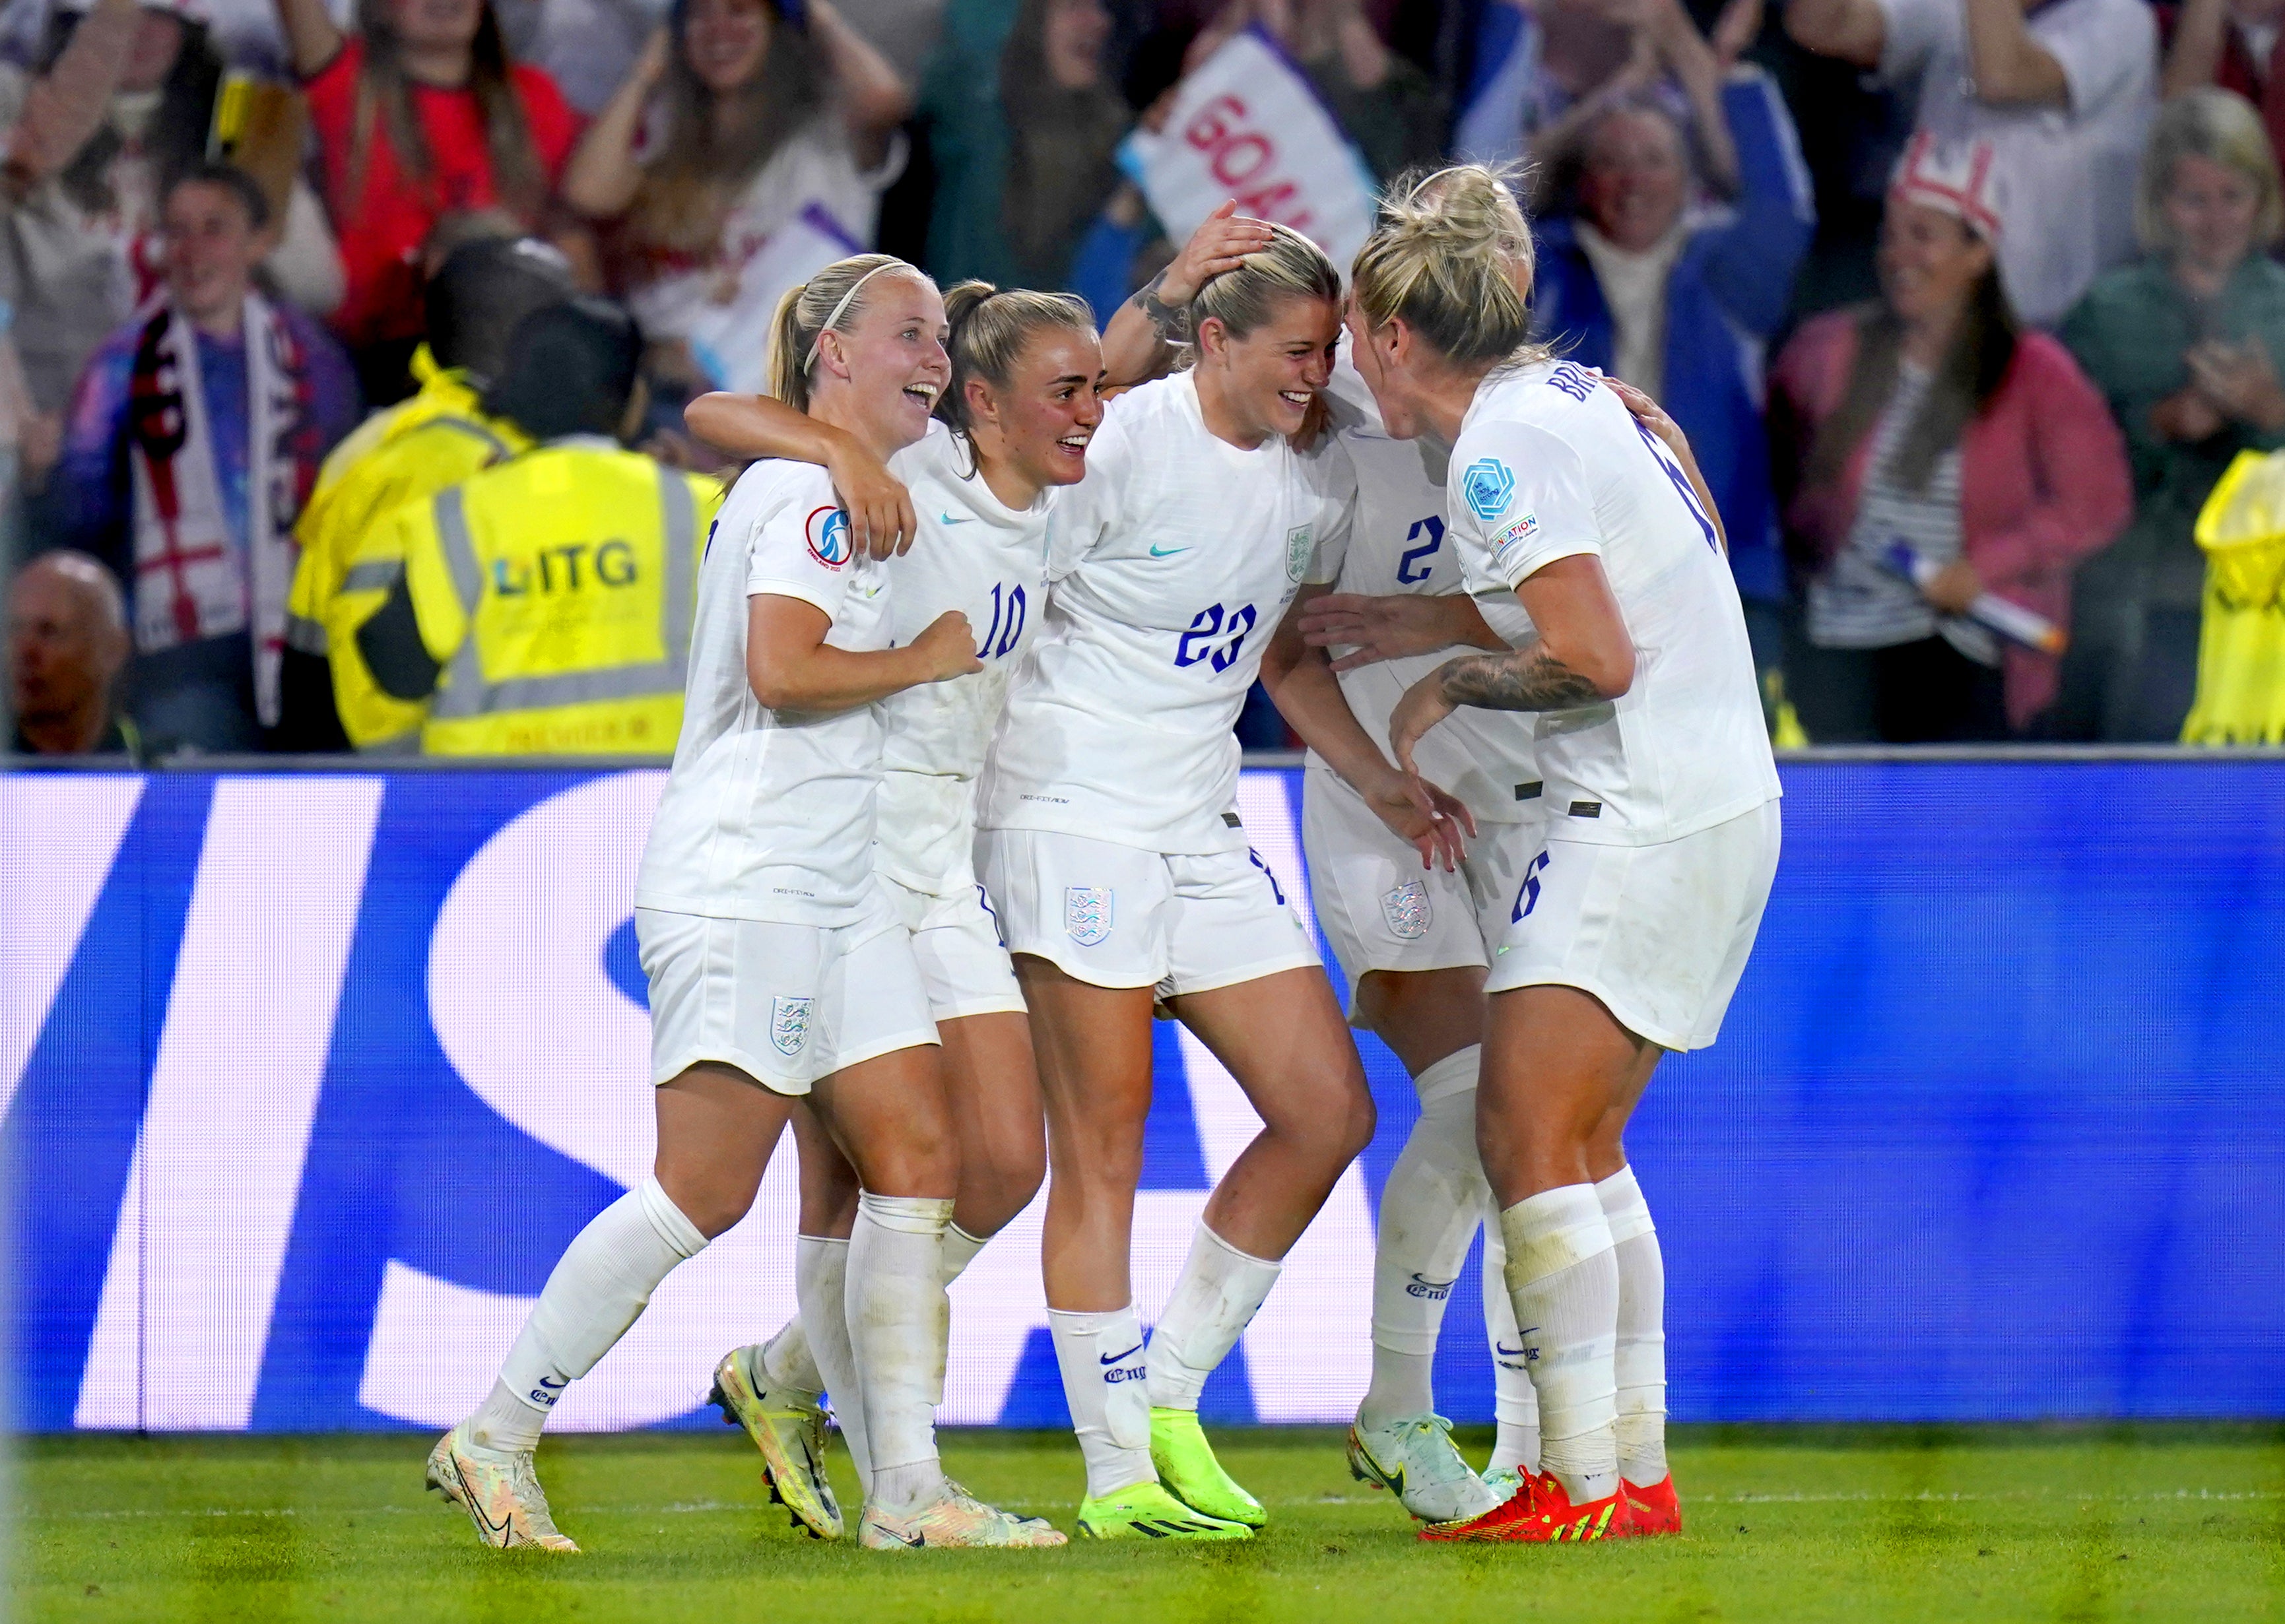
1214, 337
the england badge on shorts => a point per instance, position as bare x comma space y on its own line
789, 1024
1086, 914
1406, 910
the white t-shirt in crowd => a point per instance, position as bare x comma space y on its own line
1396, 543
768, 815
1171, 564
990, 562
1548, 465
2066, 175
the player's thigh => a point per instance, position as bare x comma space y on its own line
717, 1126
1556, 1063
991, 1087
1282, 1037
1423, 1016
888, 1115
1093, 1047
1381, 911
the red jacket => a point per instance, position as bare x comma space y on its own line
2043, 478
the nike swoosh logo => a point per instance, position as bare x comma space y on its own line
553, 1386
948, 519
1158, 551
1505, 1352
1433, 1285
915, 1543
1119, 1359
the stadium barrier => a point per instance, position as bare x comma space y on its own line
312, 1076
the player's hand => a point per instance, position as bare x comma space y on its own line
882, 524
1425, 817
1221, 242
1376, 629
1651, 415
1422, 706
947, 648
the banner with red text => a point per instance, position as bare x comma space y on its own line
1249, 125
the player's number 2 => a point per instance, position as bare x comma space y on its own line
1433, 528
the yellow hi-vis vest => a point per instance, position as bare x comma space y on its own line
406, 453
2241, 632
557, 592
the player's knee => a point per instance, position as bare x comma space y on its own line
712, 1201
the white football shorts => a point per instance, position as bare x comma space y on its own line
785, 1004
1659, 933
1118, 917
1380, 909
963, 964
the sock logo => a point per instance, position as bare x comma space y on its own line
1119, 1359
1504, 1354
548, 1393
1432, 1290
1116, 1369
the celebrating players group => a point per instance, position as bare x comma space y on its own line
952, 817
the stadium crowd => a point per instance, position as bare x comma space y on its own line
1988, 283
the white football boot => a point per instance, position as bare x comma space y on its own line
1414, 1456
500, 1493
958, 1519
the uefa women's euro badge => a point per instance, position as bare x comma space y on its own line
1488, 486
1407, 911
1086, 914
1300, 542
789, 1024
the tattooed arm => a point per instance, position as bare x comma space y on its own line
1581, 656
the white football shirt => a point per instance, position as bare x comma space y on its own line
1548, 465
1395, 544
768, 815
980, 556
1171, 563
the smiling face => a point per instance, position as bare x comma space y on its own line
1266, 379
1040, 423
881, 374
212, 248
1929, 262
1634, 180
2210, 209
726, 41
1074, 37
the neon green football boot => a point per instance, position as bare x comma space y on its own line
1186, 1466
1147, 1512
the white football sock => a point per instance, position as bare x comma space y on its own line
1429, 1211
1215, 1298
1101, 1358
960, 1249
785, 1361
1639, 1362
1515, 1401
898, 1319
820, 1284
1564, 1281
595, 1291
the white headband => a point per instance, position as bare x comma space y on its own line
842, 309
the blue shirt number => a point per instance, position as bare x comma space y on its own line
1208, 624
1433, 528
1013, 610
1681, 483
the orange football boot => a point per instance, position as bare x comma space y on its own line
1655, 1510
1541, 1513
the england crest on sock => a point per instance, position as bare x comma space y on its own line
1086, 914
1407, 911
789, 1024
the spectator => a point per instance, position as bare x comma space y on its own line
67, 645
418, 114
1931, 420
1390, 108
1545, 69
1023, 121
591, 663
2063, 90
1678, 303
86, 234
2183, 346
439, 437
745, 123
194, 439
2241, 696
2232, 44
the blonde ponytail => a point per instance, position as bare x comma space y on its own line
1245, 296
831, 301
1452, 256
991, 327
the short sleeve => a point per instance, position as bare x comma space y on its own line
1915, 31
1335, 473
1519, 501
801, 549
2102, 48
1088, 511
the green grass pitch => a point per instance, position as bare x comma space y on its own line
1867, 1523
